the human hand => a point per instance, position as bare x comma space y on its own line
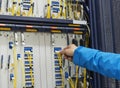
68, 52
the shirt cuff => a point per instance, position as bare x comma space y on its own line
76, 55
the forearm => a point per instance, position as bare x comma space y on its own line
107, 64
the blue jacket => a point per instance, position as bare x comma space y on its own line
107, 64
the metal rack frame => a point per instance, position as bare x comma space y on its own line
41, 24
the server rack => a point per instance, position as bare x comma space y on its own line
105, 34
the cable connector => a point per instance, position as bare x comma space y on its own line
11, 45
11, 77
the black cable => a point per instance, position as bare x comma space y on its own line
1, 61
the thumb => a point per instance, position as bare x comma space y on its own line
63, 51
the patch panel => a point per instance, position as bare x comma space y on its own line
47, 72
28, 76
55, 8
57, 49
26, 7
26, 55
57, 69
28, 84
55, 56
28, 49
58, 83
29, 71
58, 76
55, 3
27, 62
56, 62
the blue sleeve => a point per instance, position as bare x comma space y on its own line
107, 64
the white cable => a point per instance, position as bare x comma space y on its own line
88, 28
16, 39
22, 39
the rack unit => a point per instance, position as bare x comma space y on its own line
39, 27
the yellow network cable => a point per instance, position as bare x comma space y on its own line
61, 70
71, 82
31, 69
85, 80
64, 10
9, 7
30, 12
69, 79
61, 8
13, 10
70, 10
77, 75
76, 5
48, 9
15, 67
76, 11
18, 13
